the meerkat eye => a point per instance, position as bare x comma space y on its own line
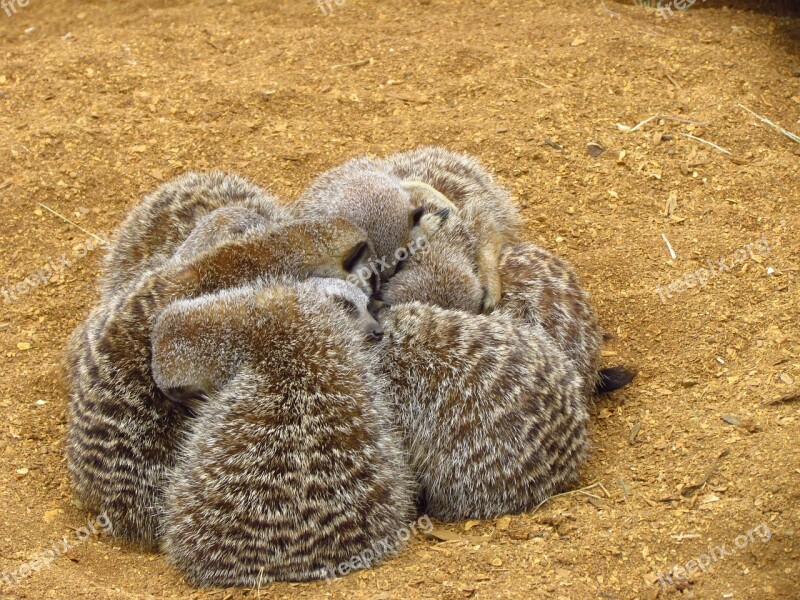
375, 305
416, 216
349, 306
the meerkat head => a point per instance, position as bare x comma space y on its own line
200, 344
446, 280
358, 307
307, 248
378, 203
222, 224
195, 345
442, 273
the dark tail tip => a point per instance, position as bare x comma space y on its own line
613, 378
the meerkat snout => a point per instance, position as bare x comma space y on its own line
376, 333
360, 309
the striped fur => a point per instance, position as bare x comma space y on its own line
291, 467
542, 289
122, 431
155, 228
493, 413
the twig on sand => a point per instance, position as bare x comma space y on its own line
788, 398
706, 142
608, 10
665, 117
766, 121
358, 63
63, 218
536, 81
669, 247
583, 491
690, 490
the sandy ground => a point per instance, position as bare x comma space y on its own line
101, 101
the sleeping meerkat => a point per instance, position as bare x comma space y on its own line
291, 467
484, 206
155, 228
494, 408
541, 288
493, 413
364, 193
122, 430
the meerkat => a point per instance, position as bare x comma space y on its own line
364, 193
543, 289
122, 430
539, 288
484, 206
443, 272
494, 408
493, 413
291, 468
155, 228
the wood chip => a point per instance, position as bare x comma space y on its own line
594, 149
637, 427
689, 491
672, 204
445, 535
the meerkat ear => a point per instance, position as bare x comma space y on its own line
189, 358
355, 256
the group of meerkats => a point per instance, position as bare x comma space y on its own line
266, 390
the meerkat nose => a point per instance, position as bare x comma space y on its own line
376, 334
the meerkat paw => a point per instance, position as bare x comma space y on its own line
431, 222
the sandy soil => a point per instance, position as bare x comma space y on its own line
101, 101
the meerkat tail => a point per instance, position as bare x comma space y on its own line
422, 193
613, 378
